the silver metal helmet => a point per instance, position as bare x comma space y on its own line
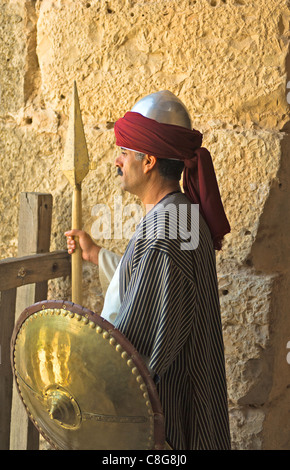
164, 107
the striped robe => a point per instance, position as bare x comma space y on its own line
170, 312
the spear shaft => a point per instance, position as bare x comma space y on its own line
76, 259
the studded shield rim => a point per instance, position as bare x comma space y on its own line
116, 339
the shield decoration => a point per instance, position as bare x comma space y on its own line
83, 384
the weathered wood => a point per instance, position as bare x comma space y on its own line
7, 309
16, 272
34, 237
23, 281
34, 223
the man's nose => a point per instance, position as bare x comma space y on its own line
118, 161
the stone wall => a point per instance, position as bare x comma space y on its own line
227, 60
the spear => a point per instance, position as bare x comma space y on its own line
75, 166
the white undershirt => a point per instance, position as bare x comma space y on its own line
112, 298
108, 262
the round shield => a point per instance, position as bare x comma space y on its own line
82, 382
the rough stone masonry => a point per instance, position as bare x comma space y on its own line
228, 61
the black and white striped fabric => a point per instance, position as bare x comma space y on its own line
170, 312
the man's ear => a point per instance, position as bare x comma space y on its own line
149, 162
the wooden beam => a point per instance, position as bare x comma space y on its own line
16, 272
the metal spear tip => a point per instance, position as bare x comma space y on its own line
75, 164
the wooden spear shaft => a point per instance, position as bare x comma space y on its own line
76, 258
75, 166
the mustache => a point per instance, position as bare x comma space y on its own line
119, 171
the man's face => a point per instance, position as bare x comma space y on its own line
130, 171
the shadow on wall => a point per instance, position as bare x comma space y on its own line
270, 254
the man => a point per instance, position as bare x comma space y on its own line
163, 295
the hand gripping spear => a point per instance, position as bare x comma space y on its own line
75, 166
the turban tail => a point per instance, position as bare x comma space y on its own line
168, 141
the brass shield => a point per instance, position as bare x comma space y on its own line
82, 382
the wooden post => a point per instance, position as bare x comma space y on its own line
34, 237
7, 312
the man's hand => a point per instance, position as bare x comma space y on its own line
90, 251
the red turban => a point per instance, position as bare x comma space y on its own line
168, 141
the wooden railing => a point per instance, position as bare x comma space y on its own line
23, 281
